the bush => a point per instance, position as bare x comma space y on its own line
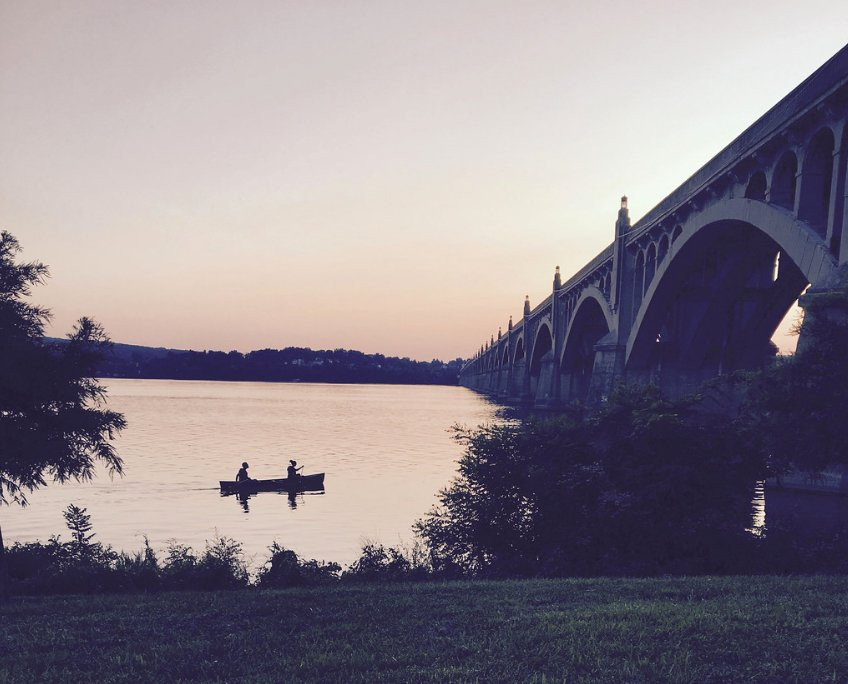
377, 563
284, 569
83, 565
221, 566
644, 486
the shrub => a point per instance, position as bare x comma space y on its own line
378, 563
644, 486
220, 567
285, 569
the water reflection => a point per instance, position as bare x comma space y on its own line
294, 497
758, 514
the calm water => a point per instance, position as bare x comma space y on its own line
386, 451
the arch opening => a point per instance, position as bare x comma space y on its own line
578, 359
638, 280
756, 188
715, 308
662, 252
650, 265
519, 350
816, 177
540, 361
783, 182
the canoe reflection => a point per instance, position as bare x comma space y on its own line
294, 497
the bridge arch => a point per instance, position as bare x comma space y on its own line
715, 304
542, 347
782, 191
756, 188
592, 321
518, 356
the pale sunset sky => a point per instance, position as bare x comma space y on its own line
388, 176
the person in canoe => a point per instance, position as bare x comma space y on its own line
292, 471
242, 475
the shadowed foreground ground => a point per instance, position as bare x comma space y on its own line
763, 629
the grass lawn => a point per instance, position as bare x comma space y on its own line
761, 629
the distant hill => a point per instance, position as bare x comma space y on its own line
292, 364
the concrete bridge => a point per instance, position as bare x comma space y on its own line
698, 286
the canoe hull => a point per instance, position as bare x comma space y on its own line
303, 483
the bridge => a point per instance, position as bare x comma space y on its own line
697, 287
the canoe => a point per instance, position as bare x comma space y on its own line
303, 483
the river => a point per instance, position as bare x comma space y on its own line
386, 451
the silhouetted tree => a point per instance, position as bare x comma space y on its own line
799, 407
643, 486
53, 423
79, 523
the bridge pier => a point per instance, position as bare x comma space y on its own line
607, 370
829, 302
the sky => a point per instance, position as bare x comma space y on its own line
391, 176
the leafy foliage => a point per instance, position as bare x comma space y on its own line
52, 420
379, 563
284, 569
221, 566
79, 523
644, 486
83, 565
799, 407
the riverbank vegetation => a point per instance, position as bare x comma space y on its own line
292, 364
643, 485
53, 420
700, 629
85, 565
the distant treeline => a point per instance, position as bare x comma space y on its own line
277, 365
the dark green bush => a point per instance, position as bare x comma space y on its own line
284, 569
221, 566
378, 563
644, 486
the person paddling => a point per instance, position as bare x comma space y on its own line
291, 471
242, 475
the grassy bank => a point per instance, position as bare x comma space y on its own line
689, 630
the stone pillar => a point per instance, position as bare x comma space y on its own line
608, 366
510, 358
525, 380
829, 301
843, 174
796, 202
833, 218
619, 279
556, 342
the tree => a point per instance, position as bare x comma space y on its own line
799, 407
642, 486
79, 523
53, 420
